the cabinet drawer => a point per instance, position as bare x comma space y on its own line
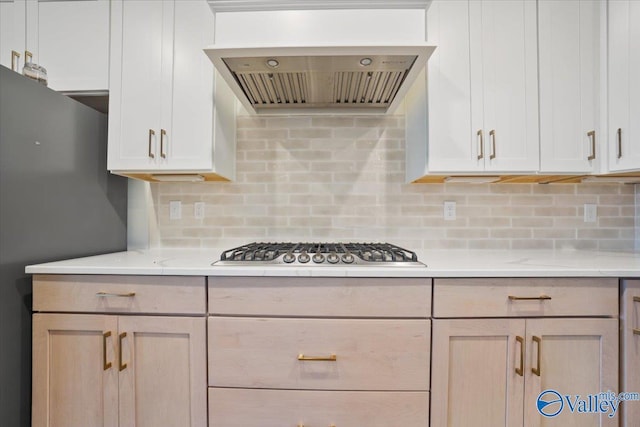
278, 408
370, 354
491, 297
320, 296
102, 294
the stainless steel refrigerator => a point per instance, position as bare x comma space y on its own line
57, 201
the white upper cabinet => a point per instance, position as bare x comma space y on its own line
169, 112
71, 40
482, 91
504, 83
12, 33
569, 62
624, 85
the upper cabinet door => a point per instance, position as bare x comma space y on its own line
504, 82
452, 144
140, 61
569, 62
12, 33
624, 85
71, 40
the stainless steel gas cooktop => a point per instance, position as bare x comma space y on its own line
320, 254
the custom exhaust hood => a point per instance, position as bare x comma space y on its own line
362, 79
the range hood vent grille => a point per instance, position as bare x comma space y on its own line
311, 80
373, 87
264, 89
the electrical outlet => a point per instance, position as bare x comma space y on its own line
590, 212
175, 209
198, 210
449, 211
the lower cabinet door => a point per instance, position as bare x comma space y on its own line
75, 376
572, 358
478, 372
162, 371
229, 407
630, 351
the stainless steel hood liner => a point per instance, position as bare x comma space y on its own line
370, 79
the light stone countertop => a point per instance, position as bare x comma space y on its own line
443, 263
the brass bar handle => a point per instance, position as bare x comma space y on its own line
536, 370
540, 298
592, 135
636, 299
163, 133
636, 331
151, 134
113, 294
481, 155
121, 366
330, 358
520, 370
492, 134
15, 56
619, 133
28, 56
105, 365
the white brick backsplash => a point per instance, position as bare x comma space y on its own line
342, 178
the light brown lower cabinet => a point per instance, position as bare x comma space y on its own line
630, 350
106, 370
312, 408
490, 372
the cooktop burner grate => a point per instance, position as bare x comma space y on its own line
289, 253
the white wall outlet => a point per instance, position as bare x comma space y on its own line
175, 209
590, 212
198, 210
449, 211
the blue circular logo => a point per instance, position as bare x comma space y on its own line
550, 403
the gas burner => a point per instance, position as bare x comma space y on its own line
320, 254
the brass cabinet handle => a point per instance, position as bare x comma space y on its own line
520, 370
536, 370
121, 366
331, 358
636, 331
112, 294
481, 155
163, 133
106, 365
619, 133
540, 298
14, 60
492, 134
28, 55
151, 134
592, 135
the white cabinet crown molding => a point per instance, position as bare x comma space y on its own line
261, 5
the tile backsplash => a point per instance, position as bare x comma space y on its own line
342, 178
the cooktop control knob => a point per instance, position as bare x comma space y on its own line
347, 258
333, 258
318, 258
304, 258
288, 258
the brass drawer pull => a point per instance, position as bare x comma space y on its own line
121, 366
163, 133
636, 299
520, 370
492, 134
28, 56
540, 298
619, 132
481, 154
106, 365
636, 331
331, 358
592, 135
151, 135
112, 294
15, 56
536, 370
